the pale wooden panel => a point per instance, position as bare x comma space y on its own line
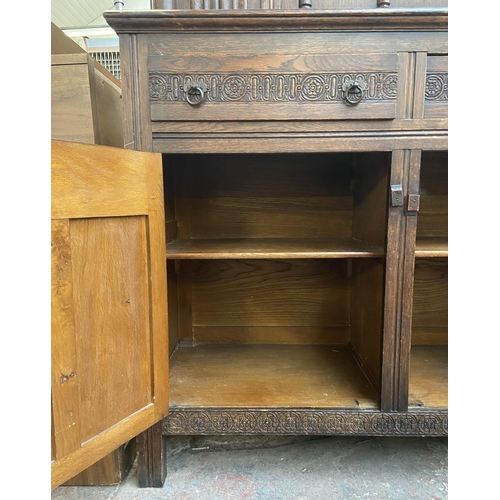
108, 99
268, 376
64, 368
430, 296
60, 43
109, 294
157, 275
291, 292
110, 273
367, 319
433, 212
428, 377
272, 248
90, 182
263, 196
92, 451
111, 469
71, 107
322, 335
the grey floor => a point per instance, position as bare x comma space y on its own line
284, 468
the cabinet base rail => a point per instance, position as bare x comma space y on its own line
321, 421
151, 457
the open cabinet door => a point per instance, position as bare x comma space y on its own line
109, 302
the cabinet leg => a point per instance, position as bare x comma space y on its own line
151, 457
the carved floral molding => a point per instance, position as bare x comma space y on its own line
271, 87
436, 87
321, 421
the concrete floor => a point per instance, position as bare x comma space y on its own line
285, 468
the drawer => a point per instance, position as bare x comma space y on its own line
276, 86
436, 87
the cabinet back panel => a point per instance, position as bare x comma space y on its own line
371, 187
270, 301
430, 302
433, 213
263, 196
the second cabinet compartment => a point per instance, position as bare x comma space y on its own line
276, 268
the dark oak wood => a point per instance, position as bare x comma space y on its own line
151, 457
307, 421
307, 237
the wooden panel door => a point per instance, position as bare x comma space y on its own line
109, 301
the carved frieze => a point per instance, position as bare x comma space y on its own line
436, 87
271, 87
301, 421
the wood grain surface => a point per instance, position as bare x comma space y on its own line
268, 376
428, 377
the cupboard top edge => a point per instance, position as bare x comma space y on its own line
153, 21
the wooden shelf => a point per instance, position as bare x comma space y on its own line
269, 248
432, 247
428, 377
261, 376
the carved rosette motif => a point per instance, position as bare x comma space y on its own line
319, 421
436, 87
271, 87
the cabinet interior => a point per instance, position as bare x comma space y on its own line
428, 385
275, 266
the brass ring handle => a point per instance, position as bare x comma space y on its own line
353, 91
195, 95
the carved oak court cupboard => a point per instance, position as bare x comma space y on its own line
305, 192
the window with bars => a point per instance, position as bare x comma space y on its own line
110, 60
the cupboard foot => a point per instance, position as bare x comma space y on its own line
151, 458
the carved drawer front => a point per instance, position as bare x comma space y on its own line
250, 85
436, 87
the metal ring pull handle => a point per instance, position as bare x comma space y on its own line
353, 91
195, 95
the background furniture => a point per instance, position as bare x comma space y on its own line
86, 103
86, 107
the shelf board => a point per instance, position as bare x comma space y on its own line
428, 386
432, 247
271, 248
264, 376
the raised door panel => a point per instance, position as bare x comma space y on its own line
109, 320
